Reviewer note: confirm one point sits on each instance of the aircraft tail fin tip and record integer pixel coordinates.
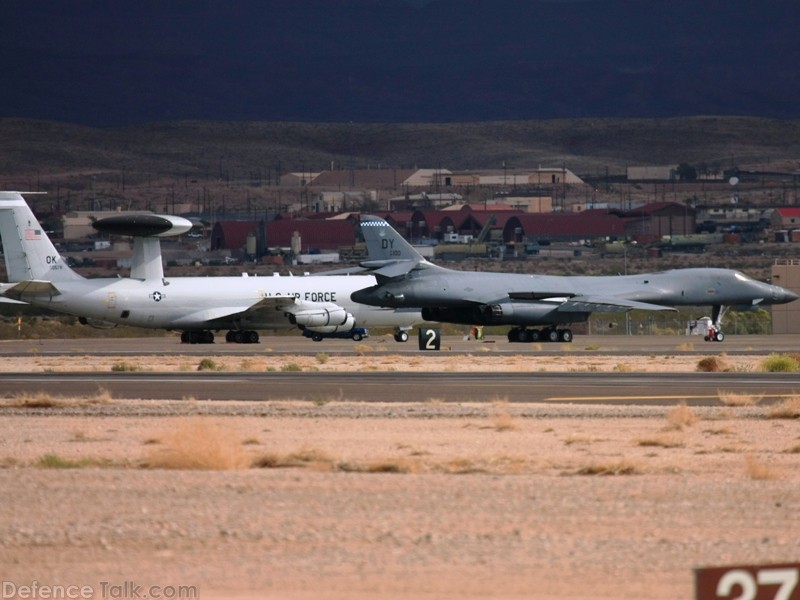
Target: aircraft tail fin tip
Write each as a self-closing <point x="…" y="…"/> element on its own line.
<point x="384" y="243"/>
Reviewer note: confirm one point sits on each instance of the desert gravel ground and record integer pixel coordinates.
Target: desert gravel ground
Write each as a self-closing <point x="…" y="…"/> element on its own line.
<point x="343" y="500"/>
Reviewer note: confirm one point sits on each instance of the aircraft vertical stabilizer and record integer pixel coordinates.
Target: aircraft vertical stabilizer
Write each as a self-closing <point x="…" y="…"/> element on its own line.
<point x="29" y="253"/>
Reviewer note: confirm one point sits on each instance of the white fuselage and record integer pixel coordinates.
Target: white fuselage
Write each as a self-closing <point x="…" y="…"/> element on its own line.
<point x="190" y="302"/>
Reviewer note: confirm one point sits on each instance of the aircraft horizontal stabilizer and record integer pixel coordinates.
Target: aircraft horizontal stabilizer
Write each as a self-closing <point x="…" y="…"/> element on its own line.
<point x="584" y="304"/>
<point x="32" y="287"/>
<point x="389" y="269"/>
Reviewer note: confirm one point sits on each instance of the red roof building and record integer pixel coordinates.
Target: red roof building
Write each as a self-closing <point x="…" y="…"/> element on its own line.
<point x="589" y="224"/>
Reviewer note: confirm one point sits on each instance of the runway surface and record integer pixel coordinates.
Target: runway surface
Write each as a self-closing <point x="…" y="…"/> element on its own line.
<point x="293" y="344"/>
<point x="699" y="389"/>
<point x="572" y="387"/>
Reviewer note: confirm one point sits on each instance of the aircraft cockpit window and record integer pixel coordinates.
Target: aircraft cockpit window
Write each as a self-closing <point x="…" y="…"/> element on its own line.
<point x="741" y="276"/>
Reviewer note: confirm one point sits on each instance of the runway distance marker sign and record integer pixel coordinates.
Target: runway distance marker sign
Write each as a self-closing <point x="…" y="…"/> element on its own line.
<point x="762" y="582"/>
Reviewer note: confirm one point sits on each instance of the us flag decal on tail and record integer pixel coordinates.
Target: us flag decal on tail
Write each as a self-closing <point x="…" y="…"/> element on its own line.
<point x="33" y="234"/>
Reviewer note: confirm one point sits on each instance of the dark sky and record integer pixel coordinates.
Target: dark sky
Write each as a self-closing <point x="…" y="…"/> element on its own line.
<point x="126" y="62"/>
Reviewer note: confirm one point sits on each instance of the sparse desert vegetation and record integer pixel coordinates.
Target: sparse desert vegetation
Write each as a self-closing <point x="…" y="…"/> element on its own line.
<point x="713" y="364"/>
<point x="418" y="479"/>
<point x="729" y="398"/>
<point x="780" y="363"/>
<point x="681" y="417"/>
<point x="788" y="408"/>
<point x="466" y="489"/>
<point x="198" y="444"/>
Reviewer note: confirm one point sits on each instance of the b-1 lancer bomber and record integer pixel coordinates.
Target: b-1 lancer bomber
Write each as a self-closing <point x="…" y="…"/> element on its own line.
<point x="540" y="307"/>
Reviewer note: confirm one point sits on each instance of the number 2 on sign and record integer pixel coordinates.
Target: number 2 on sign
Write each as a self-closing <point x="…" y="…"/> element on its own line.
<point x="430" y="344"/>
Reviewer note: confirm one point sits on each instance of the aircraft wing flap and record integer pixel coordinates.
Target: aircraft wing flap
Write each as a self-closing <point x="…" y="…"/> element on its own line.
<point x="607" y="304"/>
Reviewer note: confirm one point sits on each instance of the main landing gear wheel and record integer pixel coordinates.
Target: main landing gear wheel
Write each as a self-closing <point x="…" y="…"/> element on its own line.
<point x="197" y="337"/>
<point x="526" y="336"/>
<point x="522" y="335"/>
<point x="400" y="336"/>
<point x="241" y="337"/>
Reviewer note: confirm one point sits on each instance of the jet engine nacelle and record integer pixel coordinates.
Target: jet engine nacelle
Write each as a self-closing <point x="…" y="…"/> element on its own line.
<point x="322" y="317"/>
<point x="348" y="324"/>
<point x="506" y="313"/>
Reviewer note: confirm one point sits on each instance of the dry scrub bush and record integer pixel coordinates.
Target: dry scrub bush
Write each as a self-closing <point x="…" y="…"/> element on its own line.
<point x="738" y="399"/>
<point x="712" y="364"/>
<point x="46" y="400"/>
<point x="396" y="465"/>
<point x="305" y="457"/>
<point x="579" y="438"/>
<point x="681" y="416"/>
<point x="208" y="364"/>
<point x="787" y="409"/>
<point x="660" y="441"/>
<point x="620" y="467"/>
<point x="501" y="420"/>
<point x="758" y="471"/>
<point x="199" y="444"/>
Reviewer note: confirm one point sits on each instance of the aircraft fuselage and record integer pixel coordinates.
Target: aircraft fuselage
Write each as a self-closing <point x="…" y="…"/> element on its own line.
<point x="187" y="303"/>
<point x="469" y="297"/>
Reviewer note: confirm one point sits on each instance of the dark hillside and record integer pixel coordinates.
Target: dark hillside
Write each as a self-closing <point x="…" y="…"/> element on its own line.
<point x="247" y="150"/>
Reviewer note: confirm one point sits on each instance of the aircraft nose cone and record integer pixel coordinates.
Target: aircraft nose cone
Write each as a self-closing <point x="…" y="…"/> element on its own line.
<point x="789" y="296"/>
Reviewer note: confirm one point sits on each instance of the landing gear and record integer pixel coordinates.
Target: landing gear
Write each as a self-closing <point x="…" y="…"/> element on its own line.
<point x="401" y="336"/>
<point x="715" y="331"/>
<point x="241" y="337"/>
<point x="197" y="337"/>
<point x="525" y="336"/>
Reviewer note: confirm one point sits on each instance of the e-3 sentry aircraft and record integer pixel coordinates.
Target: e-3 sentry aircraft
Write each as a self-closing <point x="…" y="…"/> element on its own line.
<point x="406" y="279"/>
<point x="196" y="306"/>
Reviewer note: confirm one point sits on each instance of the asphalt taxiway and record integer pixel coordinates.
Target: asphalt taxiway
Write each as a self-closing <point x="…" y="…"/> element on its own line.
<point x="474" y="386"/>
<point x="646" y="389"/>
